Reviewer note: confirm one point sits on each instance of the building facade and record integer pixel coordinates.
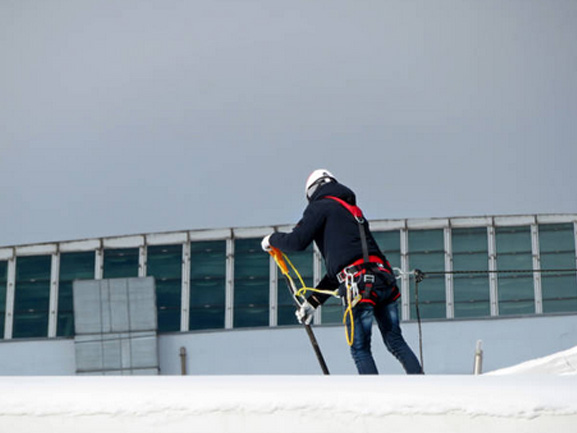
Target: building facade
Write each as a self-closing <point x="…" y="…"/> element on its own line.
<point x="217" y="280"/>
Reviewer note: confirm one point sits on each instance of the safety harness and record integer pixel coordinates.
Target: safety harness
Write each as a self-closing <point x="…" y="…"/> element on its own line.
<point x="364" y="267"/>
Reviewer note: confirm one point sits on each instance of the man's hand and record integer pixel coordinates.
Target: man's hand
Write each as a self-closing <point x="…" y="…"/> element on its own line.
<point x="265" y="243"/>
<point x="305" y="313"/>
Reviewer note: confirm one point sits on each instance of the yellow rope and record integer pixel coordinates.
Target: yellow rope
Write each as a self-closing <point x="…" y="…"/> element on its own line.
<point x="350" y="336"/>
<point x="280" y="257"/>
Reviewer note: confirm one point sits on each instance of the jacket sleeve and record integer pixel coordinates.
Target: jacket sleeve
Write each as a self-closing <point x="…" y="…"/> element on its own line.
<point x="303" y="234"/>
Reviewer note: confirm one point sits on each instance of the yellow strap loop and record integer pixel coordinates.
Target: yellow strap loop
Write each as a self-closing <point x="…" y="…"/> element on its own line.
<point x="280" y="257"/>
<point x="350" y="335"/>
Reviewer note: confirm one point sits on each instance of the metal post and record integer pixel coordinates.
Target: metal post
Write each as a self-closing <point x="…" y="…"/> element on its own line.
<point x="182" y="355"/>
<point x="493" y="282"/>
<point x="229" y="297"/>
<point x="185" y="287"/>
<point x="478" y="365"/>
<point x="10" y="296"/>
<point x="536" y="252"/>
<point x="54" y="290"/>
<point x="449" y="289"/>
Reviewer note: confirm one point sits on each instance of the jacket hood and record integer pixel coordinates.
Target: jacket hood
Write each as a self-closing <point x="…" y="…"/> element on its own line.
<point x="335" y="189"/>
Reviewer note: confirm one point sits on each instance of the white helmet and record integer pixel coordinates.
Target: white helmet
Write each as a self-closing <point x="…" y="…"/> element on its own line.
<point x="316" y="179"/>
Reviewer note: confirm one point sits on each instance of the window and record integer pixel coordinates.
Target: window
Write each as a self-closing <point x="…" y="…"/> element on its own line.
<point x="516" y="289"/>
<point x="32" y="296"/>
<point x="251" y="284"/>
<point x="427" y="253"/>
<point x="390" y="245"/>
<point x="164" y="263"/>
<point x="303" y="262"/>
<point x="332" y="310"/>
<point x="3" y="284"/>
<point x="121" y="263"/>
<point x="207" y="284"/>
<point x="73" y="266"/>
<point x="471" y="291"/>
<point x="557" y="245"/>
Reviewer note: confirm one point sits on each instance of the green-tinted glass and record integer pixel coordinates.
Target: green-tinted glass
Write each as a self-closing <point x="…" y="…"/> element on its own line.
<point x="207" y="284"/>
<point x="169" y="319"/>
<point x="73" y="266"/>
<point x="514" y="253"/>
<point x="513" y="240"/>
<point x="121" y="263"/>
<point x="470" y="240"/>
<point x="251" y="284"/>
<point x="390" y="245"/>
<point x="557" y="261"/>
<point x="164" y="263"/>
<point x="557" y="245"/>
<point x="427" y="253"/>
<point x="471" y="296"/>
<point x="303" y="262"/>
<point x="331" y="310"/>
<point x="207" y="259"/>
<point x="516" y="294"/>
<point x="559" y="292"/>
<point x="3" y="284"/>
<point x="32" y="296"/>
<point x="556" y="238"/>
<point x="470" y="253"/>
<point x="206" y="318"/>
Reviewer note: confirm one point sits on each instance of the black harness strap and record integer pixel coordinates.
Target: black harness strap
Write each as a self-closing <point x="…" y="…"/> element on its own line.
<point x="358" y="214"/>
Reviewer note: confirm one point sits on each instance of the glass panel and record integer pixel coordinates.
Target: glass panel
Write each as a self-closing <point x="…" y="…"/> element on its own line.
<point x="121" y="263"/>
<point x="557" y="245"/>
<point x="516" y="289"/>
<point x="207" y="284"/>
<point x="303" y="262"/>
<point x="3" y="285"/>
<point x="207" y="318"/>
<point x="516" y="294"/>
<point x="32" y="296"/>
<point x="251" y="284"/>
<point x="555" y="238"/>
<point x="470" y="253"/>
<point x="331" y="310"/>
<point x="390" y="245"/>
<point x="73" y="266"/>
<point x="164" y="263"/>
<point x="427" y="253"/>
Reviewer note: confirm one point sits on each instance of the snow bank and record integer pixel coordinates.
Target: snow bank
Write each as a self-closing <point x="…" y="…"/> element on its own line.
<point x="561" y="363"/>
<point x="255" y="404"/>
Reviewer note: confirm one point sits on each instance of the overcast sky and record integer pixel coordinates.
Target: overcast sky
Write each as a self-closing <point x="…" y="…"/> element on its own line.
<point x="135" y="116"/>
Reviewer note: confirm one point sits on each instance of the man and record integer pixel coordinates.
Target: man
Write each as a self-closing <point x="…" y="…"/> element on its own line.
<point x="354" y="263"/>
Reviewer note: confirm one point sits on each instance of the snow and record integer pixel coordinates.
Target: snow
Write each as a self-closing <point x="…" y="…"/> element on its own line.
<point x="499" y="402"/>
<point x="561" y="363"/>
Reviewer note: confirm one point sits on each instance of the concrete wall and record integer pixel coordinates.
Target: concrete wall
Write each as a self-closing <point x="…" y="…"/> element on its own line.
<point x="448" y="347"/>
<point x="37" y="357"/>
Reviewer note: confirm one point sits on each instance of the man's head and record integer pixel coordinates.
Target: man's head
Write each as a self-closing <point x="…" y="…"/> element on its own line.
<point x="316" y="179"/>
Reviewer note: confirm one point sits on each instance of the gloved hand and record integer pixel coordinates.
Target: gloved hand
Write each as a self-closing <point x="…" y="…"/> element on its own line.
<point x="265" y="243"/>
<point x="305" y="313"/>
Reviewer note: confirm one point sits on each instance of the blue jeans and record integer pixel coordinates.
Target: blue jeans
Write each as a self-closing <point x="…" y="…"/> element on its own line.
<point x="387" y="317"/>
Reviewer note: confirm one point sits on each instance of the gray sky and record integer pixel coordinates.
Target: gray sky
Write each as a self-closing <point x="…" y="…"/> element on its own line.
<point x="133" y="116"/>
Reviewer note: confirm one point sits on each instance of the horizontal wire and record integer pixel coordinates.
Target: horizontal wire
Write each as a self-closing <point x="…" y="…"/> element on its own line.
<point x="508" y="271"/>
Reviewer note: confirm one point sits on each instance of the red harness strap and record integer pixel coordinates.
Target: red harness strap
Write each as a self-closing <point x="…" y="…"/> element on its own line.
<point x="355" y="210"/>
<point x="358" y="214"/>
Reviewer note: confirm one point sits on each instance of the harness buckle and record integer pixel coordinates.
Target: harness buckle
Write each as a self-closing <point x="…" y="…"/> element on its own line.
<point x="369" y="278"/>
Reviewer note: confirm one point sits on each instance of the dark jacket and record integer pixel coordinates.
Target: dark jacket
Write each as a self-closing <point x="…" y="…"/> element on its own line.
<point x="334" y="230"/>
